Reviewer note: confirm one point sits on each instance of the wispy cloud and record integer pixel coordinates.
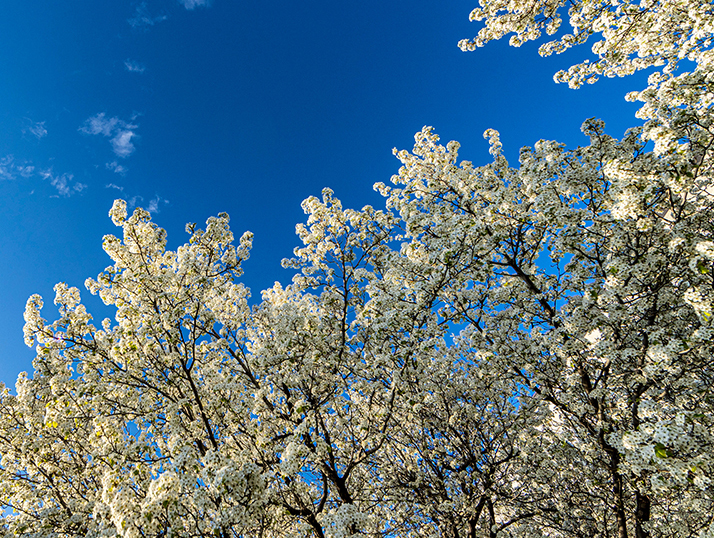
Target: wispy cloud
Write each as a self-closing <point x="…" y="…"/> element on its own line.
<point x="122" y="144"/>
<point x="35" y="128"/>
<point x="192" y="4"/>
<point x="116" y="168"/>
<point x="121" y="133"/>
<point x="25" y="170"/>
<point x="100" y="124"/>
<point x="113" y="186"/>
<point x="143" y="19"/>
<point x="9" y="169"/>
<point x="154" y="205"/>
<point x="134" y="67"/>
<point x="64" y="183"/>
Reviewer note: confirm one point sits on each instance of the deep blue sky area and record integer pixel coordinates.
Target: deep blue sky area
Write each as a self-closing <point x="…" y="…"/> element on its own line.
<point x="189" y="108"/>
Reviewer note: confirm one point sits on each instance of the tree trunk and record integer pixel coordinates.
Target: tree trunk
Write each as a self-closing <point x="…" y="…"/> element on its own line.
<point x="617" y="492"/>
<point x="642" y="515"/>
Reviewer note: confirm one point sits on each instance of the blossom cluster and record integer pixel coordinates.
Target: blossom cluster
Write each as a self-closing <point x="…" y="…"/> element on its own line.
<point x="500" y="351"/>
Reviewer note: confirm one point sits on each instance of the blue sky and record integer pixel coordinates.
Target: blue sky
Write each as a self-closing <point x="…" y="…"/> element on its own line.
<point x="193" y="107"/>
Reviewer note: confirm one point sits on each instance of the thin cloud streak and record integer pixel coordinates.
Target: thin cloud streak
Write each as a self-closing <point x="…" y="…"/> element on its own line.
<point x="35" y="128"/>
<point x="192" y="4"/>
<point x="142" y="19"/>
<point x="64" y="183"/>
<point x="134" y="67"/>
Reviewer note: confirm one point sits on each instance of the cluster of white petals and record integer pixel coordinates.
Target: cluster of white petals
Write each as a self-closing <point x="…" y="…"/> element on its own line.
<point x="675" y="38"/>
<point x="501" y="351"/>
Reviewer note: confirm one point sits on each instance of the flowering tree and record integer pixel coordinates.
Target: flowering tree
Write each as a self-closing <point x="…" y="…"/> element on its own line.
<point x="584" y="275"/>
<point x="634" y="36"/>
<point x="500" y="351"/>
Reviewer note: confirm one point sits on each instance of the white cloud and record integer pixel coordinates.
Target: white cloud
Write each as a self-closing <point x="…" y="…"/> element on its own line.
<point x="134" y="67"/>
<point x="113" y="186"/>
<point x="191" y="4"/>
<point x="9" y="169"/>
<point x="64" y="183"/>
<point x="116" y="168"/>
<point x="61" y="184"/>
<point x="121" y="143"/>
<point x="79" y="187"/>
<point x="121" y="132"/>
<point x="134" y="201"/>
<point x="25" y="170"/>
<point x="154" y="204"/>
<point x="99" y="124"/>
<point x="142" y="18"/>
<point x="35" y="128"/>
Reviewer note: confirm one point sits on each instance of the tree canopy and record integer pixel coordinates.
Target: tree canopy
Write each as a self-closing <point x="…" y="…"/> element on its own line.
<point x="500" y="351"/>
